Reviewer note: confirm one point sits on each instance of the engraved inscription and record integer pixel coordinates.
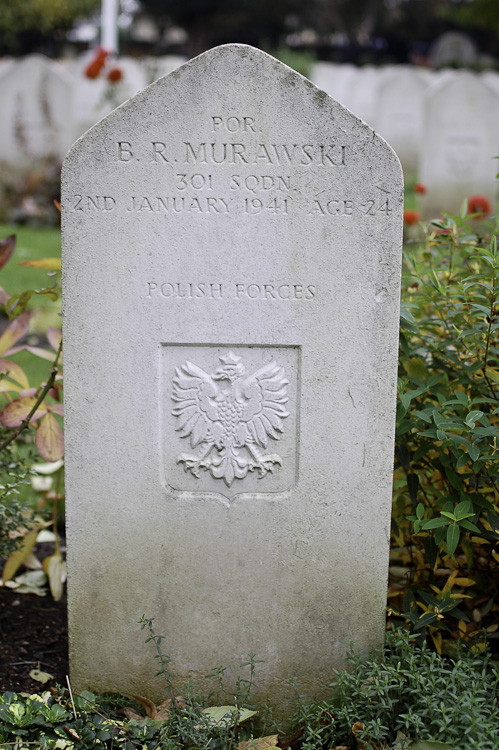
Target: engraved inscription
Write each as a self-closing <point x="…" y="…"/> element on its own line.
<point x="209" y="290"/>
<point x="229" y="418"/>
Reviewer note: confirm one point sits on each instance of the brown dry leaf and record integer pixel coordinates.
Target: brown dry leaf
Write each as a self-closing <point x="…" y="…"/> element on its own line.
<point x="340" y="747"/>
<point x="15" y="560"/>
<point x="131" y="714"/>
<point x="149" y="706"/>
<point x="292" y="741"/>
<point x="160" y="712"/>
<point x="55" y="569"/>
<point x="259" y="743"/>
<point x="356" y="729"/>
<point x="39" y="676"/>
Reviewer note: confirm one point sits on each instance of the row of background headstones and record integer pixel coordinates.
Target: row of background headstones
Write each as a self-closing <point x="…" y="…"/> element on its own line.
<point x="442" y="124"/>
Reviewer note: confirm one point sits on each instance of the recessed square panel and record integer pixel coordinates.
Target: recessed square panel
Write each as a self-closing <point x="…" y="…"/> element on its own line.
<point x="229" y="418"/>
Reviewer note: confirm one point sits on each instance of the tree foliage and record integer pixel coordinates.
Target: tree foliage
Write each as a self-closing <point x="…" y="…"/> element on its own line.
<point x="24" y="21"/>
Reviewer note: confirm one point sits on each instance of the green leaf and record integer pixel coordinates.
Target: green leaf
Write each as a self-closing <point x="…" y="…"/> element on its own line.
<point x="430" y="745"/>
<point x="474" y="452"/>
<point x="425" y="620"/>
<point x="453" y="536"/>
<point x="435" y="523"/>
<point x="470" y="526"/>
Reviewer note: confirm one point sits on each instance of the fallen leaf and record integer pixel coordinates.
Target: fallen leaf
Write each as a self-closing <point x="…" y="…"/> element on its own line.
<point x="16" y="558"/>
<point x="357" y="728"/>
<point x="229" y="715"/>
<point x="55" y="568"/>
<point x="72" y="733"/>
<point x="39" y="676"/>
<point x="149" y="706"/>
<point x="31" y="582"/>
<point x="259" y="743"/>
<point x="49" y="468"/>
<point x="31" y="561"/>
<point x="292" y="741"/>
<point x="131" y="714"/>
<point x="159" y="713"/>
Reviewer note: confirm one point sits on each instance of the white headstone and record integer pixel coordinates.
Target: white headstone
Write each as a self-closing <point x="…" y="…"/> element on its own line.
<point x="363" y="98"/>
<point x="452" y="48"/>
<point x="398" y="115"/>
<point x="231" y="262"/>
<point x="336" y="80"/>
<point x="459" y="142"/>
<point x="95" y="98"/>
<point x="157" y="67"/>
<point x="36" y="96"/>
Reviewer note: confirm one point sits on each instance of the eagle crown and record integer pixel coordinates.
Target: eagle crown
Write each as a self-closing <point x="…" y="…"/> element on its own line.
<point x="232" y="369"/>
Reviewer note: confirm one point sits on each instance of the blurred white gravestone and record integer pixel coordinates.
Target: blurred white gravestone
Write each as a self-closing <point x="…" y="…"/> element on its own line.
<point x="399" y="114"/>
<point x="36" y="102"/>
<point x="231" y="261"/>
<point x="459" y="142"/>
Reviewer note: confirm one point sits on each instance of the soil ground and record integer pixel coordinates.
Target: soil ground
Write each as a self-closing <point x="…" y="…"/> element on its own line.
<point x="33" y="634"/>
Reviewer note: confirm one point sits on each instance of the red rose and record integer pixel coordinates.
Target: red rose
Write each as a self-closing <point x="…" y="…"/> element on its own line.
<point x="419" y="188"/>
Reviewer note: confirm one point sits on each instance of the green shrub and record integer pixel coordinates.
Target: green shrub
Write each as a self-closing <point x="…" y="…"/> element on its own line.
<point x="15" y="473"/>
<point x="446" y="512"/>
<point x="403" y="695"/>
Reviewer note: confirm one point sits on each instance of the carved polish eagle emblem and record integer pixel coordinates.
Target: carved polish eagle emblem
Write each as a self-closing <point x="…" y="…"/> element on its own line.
<point x="229" y="418"/>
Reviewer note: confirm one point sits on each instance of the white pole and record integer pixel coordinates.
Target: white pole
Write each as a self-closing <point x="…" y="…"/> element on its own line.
<point x="109" y="26"/>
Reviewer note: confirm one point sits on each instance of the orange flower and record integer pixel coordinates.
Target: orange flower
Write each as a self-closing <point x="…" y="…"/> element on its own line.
<point x="93" y="69"/>
<point x="96" y="64"/>
<point x="479" y="204"/>
<point x="115" y="75"/>
<point x="411" y="217"/>
<point x="419" y="188"/>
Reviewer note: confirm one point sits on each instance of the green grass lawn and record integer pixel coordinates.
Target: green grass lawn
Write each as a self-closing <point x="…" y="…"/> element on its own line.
<point x="33" y="243"/>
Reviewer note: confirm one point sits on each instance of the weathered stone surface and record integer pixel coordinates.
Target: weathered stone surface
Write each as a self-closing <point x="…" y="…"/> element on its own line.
<point x="231" y="261"/>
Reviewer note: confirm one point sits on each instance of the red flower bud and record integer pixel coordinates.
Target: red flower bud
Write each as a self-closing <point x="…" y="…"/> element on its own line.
<point x="115" y="75"/>
<point x="479" y="204"/>
<point x="411" y="217"/>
